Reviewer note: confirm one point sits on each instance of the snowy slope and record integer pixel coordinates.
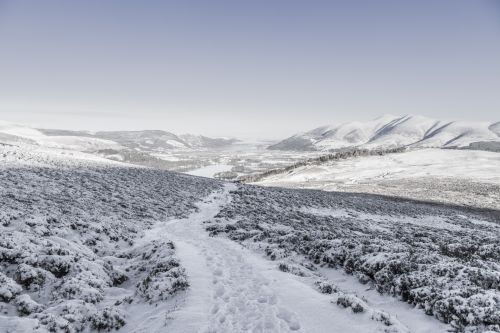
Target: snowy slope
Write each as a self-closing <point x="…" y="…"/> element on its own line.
<point x="403" y="131"/>
<point x="353" y="133"/>
<point x="30" y="155"/>
<point x="390" y="131"/>
<point x="146" y="141"/>
<point x="149" y="140"/>
<point x="73" y="252"/>
<point x="459" y="164"/>
<point x="458" y="134"/>
<point x="495" y="128"/>
<point x="21" y="133"/>
<point x="454" y="176"/>
<point x="200" y="141"/>
<point x="358" y="249"/>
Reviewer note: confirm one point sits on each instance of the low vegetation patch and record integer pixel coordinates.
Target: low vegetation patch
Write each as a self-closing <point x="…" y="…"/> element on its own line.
<point x="443" y="260"/>
<point x="69" y="236"/>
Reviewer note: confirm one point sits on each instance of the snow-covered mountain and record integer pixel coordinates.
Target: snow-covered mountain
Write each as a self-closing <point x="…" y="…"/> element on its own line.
<point x="146" y="141"/>
<point x="391" y="131"/>
<point x="14" y="133"/>
<point x="200" y="141"/>
<point x="149" y="140"/>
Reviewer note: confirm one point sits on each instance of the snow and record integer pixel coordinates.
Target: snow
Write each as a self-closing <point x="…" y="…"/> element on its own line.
<point x="19" y="130"/>
<point x="425" y="220"/>
<point x="403" y="131"/>
<point x="61" y="142"/>
<point x="434" y="257"/>
<point x="391" y="131"/>
<point x="476" y="165"/>
<point x="87" y="244"/>
<point x="236" y="290"/>
<point x="425" y="174"/>
<point x="339" y="213"/>
<point x="70" y="241"/>
<point x="459" y="134"/>
<point x="210" y="170"/>
<point x="495" y="128"/>
<point x="32" y="155"/>
<point x="415" y="320"/>
<point x="175" y="144"/>
<point x="167" y="157"/>
<point x="353" y="133"/>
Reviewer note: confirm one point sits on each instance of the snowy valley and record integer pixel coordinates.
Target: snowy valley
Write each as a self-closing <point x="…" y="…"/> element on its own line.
<point x="249" y="166"/>
<point x="91" y="242"/>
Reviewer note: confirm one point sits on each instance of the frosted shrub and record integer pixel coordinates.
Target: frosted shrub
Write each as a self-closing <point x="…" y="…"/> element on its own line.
<point x="448" y="267"/>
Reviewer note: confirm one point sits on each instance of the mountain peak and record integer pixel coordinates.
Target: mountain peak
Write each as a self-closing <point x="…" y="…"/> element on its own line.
<point x="393" y="131"/>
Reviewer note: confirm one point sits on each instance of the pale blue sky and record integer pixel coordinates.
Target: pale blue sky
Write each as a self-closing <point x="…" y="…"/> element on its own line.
<point x="246" y="68"/>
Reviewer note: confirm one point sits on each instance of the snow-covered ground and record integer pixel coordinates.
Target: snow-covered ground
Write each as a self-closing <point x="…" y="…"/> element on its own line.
<point x="236" y="290"/>
<point x="73" y="253"/>
<point x="453" y="176"/>
<point x="210" y="170"/>
<point x="30" y="155"/>
<point x="440" y="260"/>
<point x="91" y="245"/>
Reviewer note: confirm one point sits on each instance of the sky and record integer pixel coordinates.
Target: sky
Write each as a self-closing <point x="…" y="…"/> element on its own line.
<point x="260" y="68"/>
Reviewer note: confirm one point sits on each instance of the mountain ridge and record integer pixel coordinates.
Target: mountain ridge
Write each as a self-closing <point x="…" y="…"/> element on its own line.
<point x="145" y="140"/>
<point x="393" y="131"/>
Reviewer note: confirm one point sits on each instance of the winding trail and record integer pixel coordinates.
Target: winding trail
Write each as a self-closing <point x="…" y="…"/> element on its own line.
<point x="235" y="290"/>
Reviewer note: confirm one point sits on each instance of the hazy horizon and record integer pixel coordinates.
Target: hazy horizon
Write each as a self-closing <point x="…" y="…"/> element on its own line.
<point x="257" y="69"/>
<point x="242" y="136"/>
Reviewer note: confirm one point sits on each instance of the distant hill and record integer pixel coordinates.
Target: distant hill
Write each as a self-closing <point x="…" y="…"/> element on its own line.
<point x="146" y="141"/>
<point x="80" y="141"/>
<point x="394" y="131"/>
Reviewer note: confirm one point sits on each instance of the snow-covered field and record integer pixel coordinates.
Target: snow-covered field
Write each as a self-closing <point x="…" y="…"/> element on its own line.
<point x="210" y="170"/>
<point x="87" y="245"/>
<point x="453" y="176"/>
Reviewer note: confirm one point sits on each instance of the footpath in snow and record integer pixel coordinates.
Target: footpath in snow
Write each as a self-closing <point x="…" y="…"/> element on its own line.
<point x="233" y="289"/>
